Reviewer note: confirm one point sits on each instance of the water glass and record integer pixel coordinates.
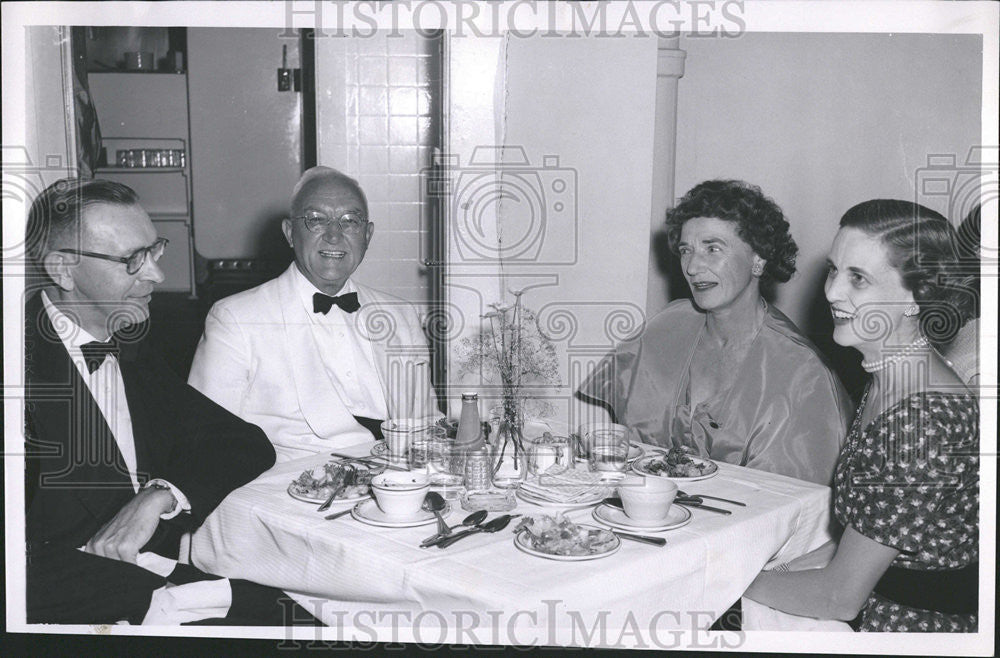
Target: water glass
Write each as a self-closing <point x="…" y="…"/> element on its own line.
<point x="400" y="433"/>
<point x="607" y="448"/>
<point x="444" y="464"/>
<point x="549" y="455"/>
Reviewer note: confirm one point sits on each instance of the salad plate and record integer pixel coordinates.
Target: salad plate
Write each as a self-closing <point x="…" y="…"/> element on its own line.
<point x="676" y="465"/>
<point x="315" y="485"/>
<point x="562" y="540"/>
<point x="316" y="500"/>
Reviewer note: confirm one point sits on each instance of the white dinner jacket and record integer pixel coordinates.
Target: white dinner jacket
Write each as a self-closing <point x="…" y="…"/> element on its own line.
<point x="259" y="358"/>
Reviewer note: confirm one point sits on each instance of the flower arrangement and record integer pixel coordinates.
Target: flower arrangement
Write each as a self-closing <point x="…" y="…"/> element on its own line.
<point x="510" y="350"/>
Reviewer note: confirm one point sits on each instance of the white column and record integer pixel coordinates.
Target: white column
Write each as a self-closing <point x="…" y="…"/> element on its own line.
<point x="669" y="69"/>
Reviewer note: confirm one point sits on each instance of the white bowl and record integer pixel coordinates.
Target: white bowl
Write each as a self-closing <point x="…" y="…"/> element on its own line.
<point x="399" y="495"/>
<point x="647" y="498"/>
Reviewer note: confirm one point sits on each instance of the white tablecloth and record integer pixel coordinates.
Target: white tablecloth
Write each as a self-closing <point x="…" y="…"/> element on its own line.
<point x="365" y="580"/>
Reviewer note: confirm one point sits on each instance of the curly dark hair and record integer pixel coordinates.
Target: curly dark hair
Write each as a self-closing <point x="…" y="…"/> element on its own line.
<point x="759" y="222"/>
<point x="921" y="245"/>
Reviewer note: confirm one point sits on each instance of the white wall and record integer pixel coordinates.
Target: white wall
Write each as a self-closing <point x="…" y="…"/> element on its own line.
<point x="583" y="111"/>
<point x="373" y="122"/>
<point x="824" y="121"/>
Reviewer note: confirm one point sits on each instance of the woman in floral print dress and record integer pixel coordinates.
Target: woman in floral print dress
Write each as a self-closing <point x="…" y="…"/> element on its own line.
<point x="906" y="489"/>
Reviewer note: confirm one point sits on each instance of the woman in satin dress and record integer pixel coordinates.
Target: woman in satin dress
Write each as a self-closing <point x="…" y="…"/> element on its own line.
<point x="726" y="374"/>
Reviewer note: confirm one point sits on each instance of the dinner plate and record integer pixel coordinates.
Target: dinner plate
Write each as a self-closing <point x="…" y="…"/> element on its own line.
<point x="522" y="544"/>
<point x="641" y="467"/>
<point x="534" y="499"/>
<point x="616" y="518"/>
<point x="368" y="511"/>
<point x="322" y="499"/>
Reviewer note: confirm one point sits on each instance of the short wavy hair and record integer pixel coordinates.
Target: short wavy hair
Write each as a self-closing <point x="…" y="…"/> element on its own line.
<point x="759" y="222"/>
<point x="921" y="245"/>
<point x="56" y="212"/>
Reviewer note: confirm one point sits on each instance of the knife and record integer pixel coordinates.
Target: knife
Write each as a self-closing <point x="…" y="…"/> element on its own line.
<point x="617" y="502"/>
<point x="655" y="541"/>
<point x="369" y="462"/>
<point x="337" y="515"/>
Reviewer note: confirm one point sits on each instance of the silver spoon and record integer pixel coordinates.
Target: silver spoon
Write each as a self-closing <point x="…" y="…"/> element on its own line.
<point x="435" y="503"/>
<point x="473" y="519"/>
<point x="496" y="525"/>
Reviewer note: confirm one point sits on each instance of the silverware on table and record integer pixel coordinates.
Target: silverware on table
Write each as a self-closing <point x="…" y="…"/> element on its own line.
<point x="722" y="500"/>
<point x="496" y="525"/>
<point x="696" y="503"/>
<point x="473" y="519"/>
<point x="369" y="462"/>
<point x="691" y="501"/>
<point x="337" y="515"/>
<point x="350" y="474"/>
<point x="644" y="539"/>
<point x="435" y="503"/>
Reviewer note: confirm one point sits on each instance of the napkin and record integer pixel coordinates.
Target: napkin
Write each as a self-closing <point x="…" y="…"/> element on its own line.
<point x="567" y="487"/>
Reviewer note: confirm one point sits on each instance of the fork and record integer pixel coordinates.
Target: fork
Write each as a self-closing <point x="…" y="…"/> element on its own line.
<point x="350" y="477"/>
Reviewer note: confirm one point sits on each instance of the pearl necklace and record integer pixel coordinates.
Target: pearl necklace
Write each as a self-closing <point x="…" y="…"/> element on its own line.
<point x="885" y="362"/>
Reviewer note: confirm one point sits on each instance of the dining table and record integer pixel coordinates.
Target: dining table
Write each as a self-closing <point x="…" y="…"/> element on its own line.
<point x="376" y="583"/>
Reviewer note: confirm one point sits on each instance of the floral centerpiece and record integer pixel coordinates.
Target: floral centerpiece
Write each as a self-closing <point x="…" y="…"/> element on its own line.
<point x="510" y="350"/>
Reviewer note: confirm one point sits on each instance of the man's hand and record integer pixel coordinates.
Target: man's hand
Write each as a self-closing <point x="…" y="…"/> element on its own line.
<point x="130" y="529"/>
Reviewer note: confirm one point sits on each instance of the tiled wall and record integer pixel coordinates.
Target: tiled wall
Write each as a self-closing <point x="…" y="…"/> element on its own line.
<point x="374" y="121"/>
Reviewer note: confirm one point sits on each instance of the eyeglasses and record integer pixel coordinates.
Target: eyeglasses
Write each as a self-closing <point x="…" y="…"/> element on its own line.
<point x="350" y="223"/>
<point x="134" y="261"/>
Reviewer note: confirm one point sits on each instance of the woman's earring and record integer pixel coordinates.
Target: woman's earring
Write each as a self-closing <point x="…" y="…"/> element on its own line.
<point x="758" y="267"/>
<point x="911" y="311"/>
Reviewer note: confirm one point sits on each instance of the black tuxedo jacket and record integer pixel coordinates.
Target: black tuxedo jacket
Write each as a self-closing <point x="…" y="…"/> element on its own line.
<point x="76" y="479"/>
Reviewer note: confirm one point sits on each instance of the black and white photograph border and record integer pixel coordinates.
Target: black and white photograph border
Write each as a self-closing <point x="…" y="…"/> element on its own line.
<point x="580" y="275"/>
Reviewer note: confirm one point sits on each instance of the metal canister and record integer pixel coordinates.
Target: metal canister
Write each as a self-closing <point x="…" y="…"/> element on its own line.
<point x="477" y="470"/>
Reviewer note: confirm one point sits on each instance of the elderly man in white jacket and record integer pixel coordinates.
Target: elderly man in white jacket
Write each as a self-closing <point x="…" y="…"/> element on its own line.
<point x="314" y="358"/>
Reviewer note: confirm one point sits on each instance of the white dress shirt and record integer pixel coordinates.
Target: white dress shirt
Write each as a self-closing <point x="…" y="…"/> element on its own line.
<point x="169" y="604"/>
<point x="347" y="357"/>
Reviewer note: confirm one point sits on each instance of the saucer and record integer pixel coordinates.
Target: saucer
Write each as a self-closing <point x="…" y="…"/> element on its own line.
<point x="616" y="518"/>
<point x="368" y="511"/>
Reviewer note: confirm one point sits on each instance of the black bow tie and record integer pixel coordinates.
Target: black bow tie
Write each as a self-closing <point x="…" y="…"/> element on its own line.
<point x="323" y="303"/>
<point x="95" y="352"/>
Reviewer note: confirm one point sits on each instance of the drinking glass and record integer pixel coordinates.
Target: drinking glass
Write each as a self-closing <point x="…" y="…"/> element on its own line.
<point x="444" y="464"/>
<point x="607" y="448"/>
<point x="549" y="455"/>
<point x="400" y="433"/>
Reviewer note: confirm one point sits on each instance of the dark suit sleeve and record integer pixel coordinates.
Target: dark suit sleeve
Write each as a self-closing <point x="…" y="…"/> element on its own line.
<point x="206" y="451"/>
<point x="63" y="586"/>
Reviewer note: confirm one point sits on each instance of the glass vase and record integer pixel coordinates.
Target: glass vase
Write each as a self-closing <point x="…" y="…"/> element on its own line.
<point x="510" y="461"/>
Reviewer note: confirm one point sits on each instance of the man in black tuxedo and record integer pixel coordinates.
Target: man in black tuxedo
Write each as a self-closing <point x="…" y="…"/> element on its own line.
<point x="122" y="457"/>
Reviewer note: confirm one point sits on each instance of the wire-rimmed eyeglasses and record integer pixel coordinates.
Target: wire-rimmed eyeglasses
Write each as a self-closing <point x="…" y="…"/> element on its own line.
<point x="134" y="261"/>
<point x="351" y="223"/>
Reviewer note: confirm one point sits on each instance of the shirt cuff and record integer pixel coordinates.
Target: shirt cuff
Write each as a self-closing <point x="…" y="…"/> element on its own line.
<point x="181" y="505"/>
